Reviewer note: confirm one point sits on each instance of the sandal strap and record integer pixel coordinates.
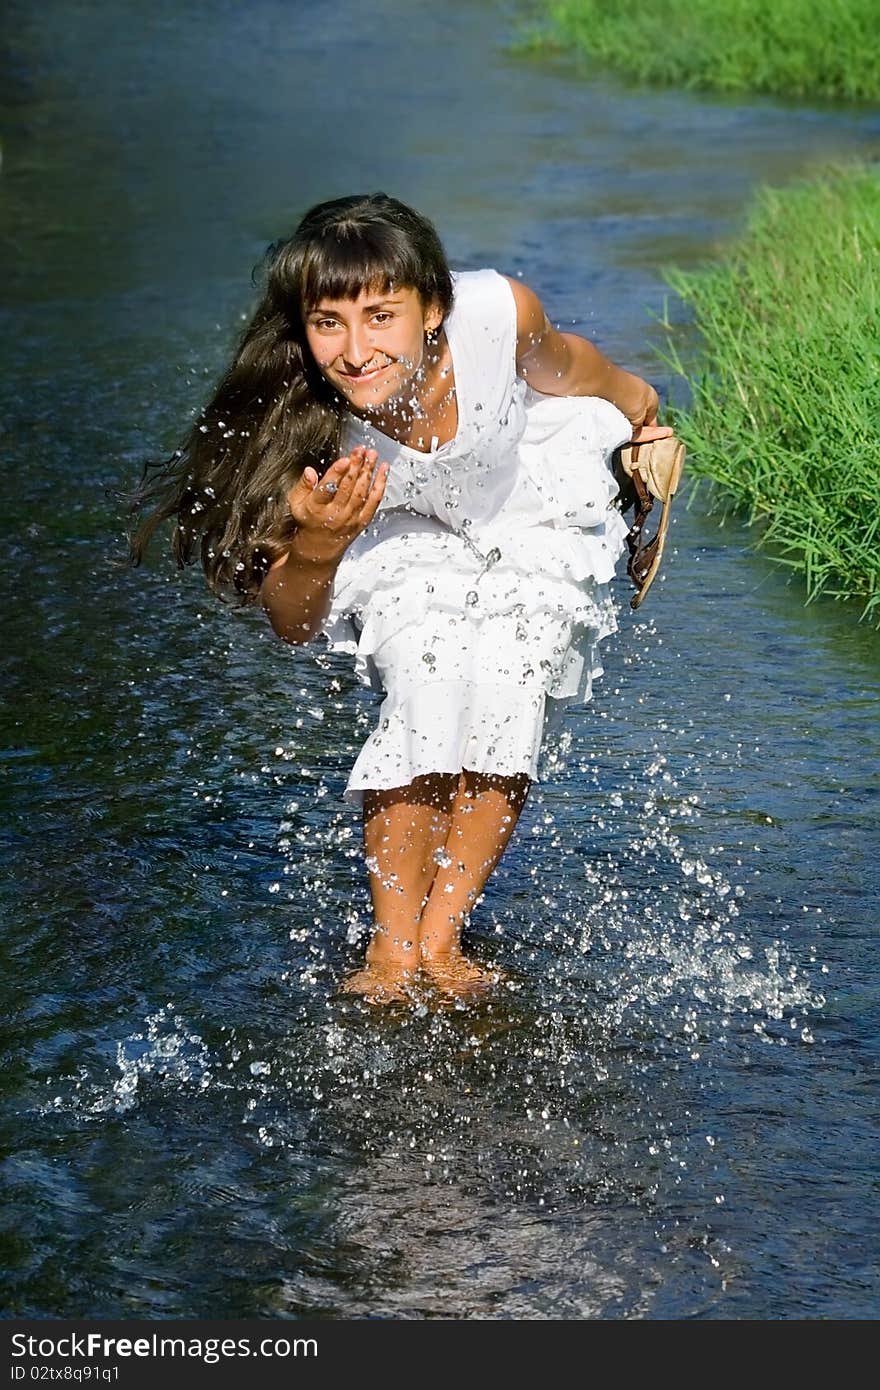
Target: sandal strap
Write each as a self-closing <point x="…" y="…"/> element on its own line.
<point x="637" y="551"/>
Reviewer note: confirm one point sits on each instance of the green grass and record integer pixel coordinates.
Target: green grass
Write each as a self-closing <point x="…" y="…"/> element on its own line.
<point x="800" y="48"/>
<point x="785" y="385"/>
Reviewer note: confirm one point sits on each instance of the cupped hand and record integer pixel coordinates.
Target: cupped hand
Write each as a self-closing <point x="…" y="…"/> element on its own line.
<point x="331" y="511"/>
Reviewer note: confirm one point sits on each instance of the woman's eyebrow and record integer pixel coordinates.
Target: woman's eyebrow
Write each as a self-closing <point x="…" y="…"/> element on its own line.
<point x="367" y="309"/>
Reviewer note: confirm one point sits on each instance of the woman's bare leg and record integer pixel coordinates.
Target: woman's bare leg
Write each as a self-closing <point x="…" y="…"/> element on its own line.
<point x="404" y="829"/>
<point x="484" y="814"/>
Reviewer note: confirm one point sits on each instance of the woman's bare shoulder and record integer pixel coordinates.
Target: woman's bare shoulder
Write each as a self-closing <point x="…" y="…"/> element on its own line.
<point x="532" y="323"/>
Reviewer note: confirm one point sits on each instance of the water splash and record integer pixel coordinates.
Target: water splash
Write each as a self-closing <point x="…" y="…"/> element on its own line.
<point x="166" y="1053"/>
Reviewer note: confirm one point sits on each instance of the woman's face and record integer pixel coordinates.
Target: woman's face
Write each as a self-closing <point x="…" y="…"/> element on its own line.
<point x="370" y="348"/>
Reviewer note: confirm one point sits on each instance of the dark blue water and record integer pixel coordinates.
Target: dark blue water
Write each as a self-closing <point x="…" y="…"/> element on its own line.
<point x="671" y="1111"/>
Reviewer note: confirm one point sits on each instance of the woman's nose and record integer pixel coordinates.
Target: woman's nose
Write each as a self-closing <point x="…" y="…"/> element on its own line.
<point x="358" y="349"/>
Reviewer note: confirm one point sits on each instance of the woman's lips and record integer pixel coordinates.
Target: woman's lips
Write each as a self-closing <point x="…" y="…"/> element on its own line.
<point x="366" y="376"/>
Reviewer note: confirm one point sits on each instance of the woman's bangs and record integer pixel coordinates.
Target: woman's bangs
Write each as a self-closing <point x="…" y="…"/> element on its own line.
<point x="350" y="268"/>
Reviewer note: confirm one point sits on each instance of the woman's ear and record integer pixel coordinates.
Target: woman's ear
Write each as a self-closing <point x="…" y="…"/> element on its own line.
<point x="433" y="318"/>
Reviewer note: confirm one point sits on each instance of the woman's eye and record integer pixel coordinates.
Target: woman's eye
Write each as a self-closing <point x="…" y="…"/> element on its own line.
<point x="381" y="318"/>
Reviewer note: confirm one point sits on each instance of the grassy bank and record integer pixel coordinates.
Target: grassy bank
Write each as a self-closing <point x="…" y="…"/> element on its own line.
<point x="785" y="413"/>
<point x="801" y="48"/>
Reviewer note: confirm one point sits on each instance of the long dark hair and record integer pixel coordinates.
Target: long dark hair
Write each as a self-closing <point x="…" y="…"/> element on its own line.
<point x="273" y="413"/>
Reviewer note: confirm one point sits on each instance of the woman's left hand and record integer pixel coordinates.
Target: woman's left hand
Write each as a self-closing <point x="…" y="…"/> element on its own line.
<point x="643" y="417"/>
<point x="644" y="433"/>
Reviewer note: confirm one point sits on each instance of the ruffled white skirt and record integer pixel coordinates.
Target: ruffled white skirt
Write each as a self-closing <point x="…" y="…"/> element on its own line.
<point x="478" y="642"/>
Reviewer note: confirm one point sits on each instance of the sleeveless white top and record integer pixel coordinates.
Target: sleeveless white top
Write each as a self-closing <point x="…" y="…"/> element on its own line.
<point x="518" y="457"/>
<point x="527" y="475"/>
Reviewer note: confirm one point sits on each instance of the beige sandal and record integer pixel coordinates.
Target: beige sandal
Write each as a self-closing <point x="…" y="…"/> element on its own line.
<point x="645" y="472"/>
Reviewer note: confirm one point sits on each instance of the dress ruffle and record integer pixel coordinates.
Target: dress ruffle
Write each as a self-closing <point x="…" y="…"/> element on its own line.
<point x="408" y="566"/>
<point x="565" y="453"/>
<point x="442" y="727"/>
<point x="468" y="692"/>
<point x="470" y="656"/>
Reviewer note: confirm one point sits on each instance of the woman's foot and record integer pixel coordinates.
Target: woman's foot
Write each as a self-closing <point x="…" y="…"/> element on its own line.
<point x="455" y="974"/>
<point x="380" y="983"/>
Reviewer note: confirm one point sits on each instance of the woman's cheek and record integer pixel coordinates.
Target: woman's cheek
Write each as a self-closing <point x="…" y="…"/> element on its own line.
<point x="318" y="351"/>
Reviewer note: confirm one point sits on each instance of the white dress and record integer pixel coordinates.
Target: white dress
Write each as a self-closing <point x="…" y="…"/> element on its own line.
<point x="476" y="598"/>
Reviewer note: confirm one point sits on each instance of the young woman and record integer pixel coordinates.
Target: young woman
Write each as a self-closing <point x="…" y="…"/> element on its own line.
<point x="414" y="463"/>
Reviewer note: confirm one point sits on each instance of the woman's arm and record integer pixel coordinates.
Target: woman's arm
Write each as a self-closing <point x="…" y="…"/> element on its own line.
<point x="296" y="595"/>
<point x="298" y="590"/>
<point x="564" y="364"/>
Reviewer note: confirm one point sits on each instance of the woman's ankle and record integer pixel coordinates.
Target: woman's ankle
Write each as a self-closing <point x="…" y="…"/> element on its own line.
<point x="440" y="945"/>
<point x="393" y="950"/>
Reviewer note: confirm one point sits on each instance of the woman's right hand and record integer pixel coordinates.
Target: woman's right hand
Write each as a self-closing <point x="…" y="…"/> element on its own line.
<point x="332" y="511"/>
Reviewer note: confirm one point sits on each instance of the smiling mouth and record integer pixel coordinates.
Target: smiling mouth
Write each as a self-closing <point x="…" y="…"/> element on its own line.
<point x="366" y="376"/>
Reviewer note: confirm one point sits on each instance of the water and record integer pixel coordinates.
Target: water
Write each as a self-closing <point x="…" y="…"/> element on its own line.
<point x="670" y="1111"/>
